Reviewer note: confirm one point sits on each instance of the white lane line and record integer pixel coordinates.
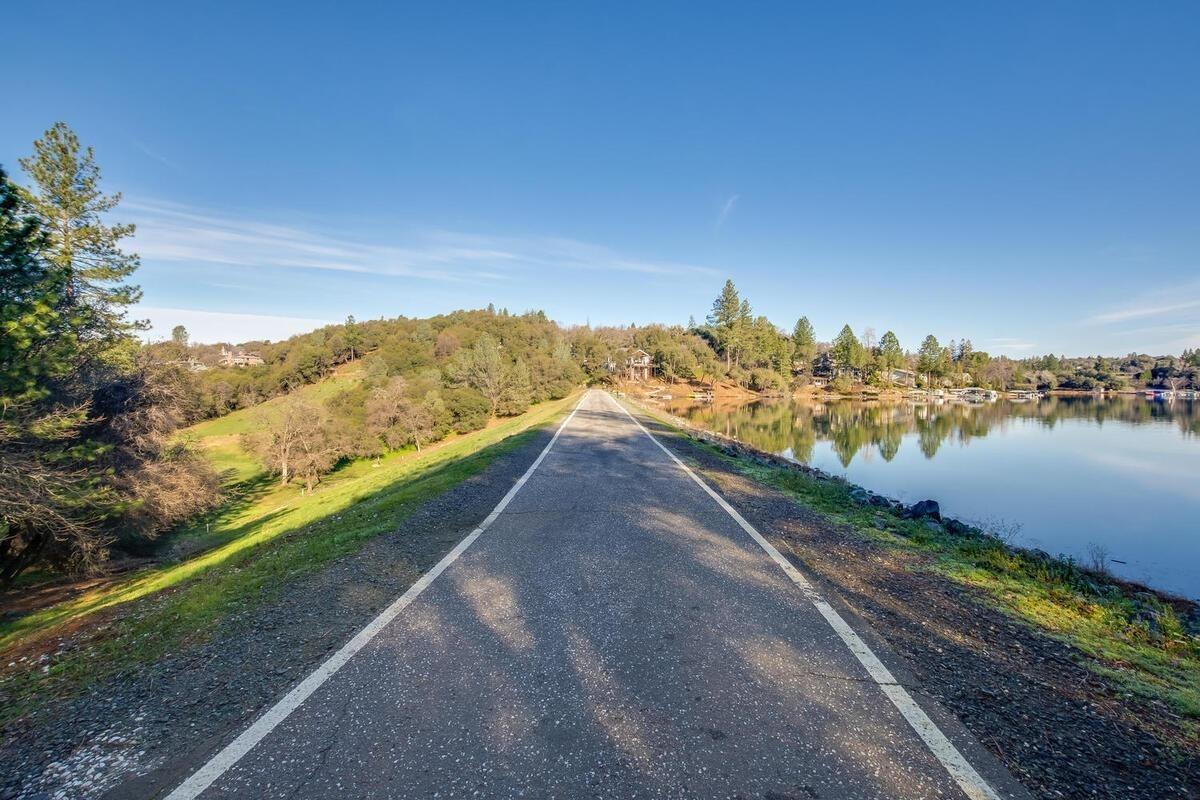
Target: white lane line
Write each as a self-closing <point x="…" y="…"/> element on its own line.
<point x="202" y="778"/>
<point x="970" y="781"/>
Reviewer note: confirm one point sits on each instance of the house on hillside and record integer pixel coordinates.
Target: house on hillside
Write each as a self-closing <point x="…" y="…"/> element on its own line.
<point x="824" y="366"/>
<point x="903" y="377"/>
<point x="240" y="358"/>
<point x="639" y="366"/>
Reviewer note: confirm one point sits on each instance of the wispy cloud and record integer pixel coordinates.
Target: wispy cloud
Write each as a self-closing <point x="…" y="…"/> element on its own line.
<point x="171" y="232"/>
<point x="726" y="210"/>
<point x="1143" y="311"/>
<point x="1162" y="320"/>
<point x="1011" y="344"/>
<point x="223" y="326"/>
<point x="156" y="156"/>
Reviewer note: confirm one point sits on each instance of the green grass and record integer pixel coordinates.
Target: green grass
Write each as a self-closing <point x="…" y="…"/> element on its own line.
<point x="265" y="536"/>
<point x="1056" y="597"/>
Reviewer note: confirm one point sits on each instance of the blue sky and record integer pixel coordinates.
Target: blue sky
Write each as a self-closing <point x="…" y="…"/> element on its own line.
<point x="1023" y="174"/>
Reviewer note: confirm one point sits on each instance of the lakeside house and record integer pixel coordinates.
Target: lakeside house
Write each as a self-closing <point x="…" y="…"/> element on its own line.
<point x="824" y="366"/>
<point x="825" y="369"/>
<point x="639" y="366"/>
<point x="240" y="358"/>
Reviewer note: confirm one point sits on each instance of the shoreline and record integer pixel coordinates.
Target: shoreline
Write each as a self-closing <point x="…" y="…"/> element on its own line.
<point x="737" y="449"/>
<point x="1077" y="681"/>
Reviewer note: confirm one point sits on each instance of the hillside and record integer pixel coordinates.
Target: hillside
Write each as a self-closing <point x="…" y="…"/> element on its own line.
<point x="262" y="536"/>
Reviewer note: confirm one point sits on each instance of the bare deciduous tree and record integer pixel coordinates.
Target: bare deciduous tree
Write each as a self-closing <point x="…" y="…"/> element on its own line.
<point x="398" y="419"/>
<point x="298" y="441"/>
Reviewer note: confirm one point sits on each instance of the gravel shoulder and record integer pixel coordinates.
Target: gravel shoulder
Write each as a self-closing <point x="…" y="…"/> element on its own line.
<point x="1028" y="698"/>
<point x="136" y="735"/>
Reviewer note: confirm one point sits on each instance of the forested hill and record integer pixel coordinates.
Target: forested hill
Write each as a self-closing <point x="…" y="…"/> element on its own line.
<point x="502" y="362"/>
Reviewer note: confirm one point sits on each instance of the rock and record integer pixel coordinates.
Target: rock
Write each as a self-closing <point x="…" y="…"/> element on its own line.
<point x="860" y="495"/>
<point x="956" y="527"/>
<point x="1150" y="618"/>
<point x="924" y="509"/>
<point x="933" y="525"/>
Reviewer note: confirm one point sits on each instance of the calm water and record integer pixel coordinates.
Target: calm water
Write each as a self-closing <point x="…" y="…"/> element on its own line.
<point x="1063" y="474"/>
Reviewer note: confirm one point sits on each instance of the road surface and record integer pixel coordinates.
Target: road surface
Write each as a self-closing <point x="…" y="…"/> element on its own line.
<point x="616" y="630"/>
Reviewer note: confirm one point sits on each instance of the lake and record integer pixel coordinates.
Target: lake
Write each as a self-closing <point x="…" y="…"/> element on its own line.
<point x="1070" y="475"/>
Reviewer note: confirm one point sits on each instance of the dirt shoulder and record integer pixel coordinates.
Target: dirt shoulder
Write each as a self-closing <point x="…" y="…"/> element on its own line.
<point x="137" y="734"/>
<point x="1030" y="699"/>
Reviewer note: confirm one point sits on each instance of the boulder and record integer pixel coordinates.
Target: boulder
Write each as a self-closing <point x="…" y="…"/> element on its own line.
<point x="926" y="509"/>
<point x="957" y="528"/>
<point x="860" y="495"/>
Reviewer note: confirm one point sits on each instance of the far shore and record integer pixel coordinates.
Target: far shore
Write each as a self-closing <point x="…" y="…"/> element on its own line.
<point x="726" y="391"/>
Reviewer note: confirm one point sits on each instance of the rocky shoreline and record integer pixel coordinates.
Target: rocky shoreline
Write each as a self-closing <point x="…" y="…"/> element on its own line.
<point x="930" y="511"/>
<point x="1055" y="708"/>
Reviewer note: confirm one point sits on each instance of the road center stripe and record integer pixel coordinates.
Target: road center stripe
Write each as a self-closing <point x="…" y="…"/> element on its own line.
<point x="243" y="744"/>
<point x="970" y="781"/>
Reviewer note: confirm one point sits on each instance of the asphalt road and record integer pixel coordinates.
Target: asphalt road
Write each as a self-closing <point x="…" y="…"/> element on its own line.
<point x="614" y="632"/>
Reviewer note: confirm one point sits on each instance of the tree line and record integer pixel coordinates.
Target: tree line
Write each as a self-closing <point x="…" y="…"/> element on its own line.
<point x="735" y="345"/>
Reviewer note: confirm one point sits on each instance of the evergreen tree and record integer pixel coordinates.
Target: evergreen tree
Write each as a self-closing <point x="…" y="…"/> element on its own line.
<point x="929" y="357"/>
<point x="353" y="337"/>
<point x="79" y="243"/>
<point x="36" y="347"/>
<point x="847" y="351"/>
<point x="725" y="319"/>
<point x="965" y="351"/>
<point x="891" y="356"/>
<point x="804" y="343"/>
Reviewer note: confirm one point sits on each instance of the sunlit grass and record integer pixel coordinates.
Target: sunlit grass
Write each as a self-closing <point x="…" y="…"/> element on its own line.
<point x="261" y="539"/>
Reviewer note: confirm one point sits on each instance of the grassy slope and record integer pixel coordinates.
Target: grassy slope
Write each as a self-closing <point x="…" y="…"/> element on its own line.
<point x="264" y="536"/>
<point x="1054" y="597"/>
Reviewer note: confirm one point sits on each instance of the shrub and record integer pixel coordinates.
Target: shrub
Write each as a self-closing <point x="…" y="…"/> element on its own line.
<point x="841" y="384"/>
<point x="469" y="410"/>
<point x="766" y="380"/>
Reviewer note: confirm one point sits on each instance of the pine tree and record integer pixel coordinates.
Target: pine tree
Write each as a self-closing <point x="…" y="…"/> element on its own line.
<point x="726" y="316"/>
<point x="891" y="356"/>
<point x="353" y="337"/>
<point x="929" y="357"/>
<point x="847" y="351"/>
<point x="36" y="346"/>
<point x="804" y="342"/>
<point x="70" y="206"/>
<point x="963" y="357"/>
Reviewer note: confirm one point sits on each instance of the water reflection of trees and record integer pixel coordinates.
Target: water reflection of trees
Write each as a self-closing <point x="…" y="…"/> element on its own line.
<point x="851" y="426"/>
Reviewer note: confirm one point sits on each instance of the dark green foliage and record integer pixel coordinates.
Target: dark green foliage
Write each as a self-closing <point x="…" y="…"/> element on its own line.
<point x="86" y="456"/>
<point x="468" y="409"/>
<point x="79" y="244"/>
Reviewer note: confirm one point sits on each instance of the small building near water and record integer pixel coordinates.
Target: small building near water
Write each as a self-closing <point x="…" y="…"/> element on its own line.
<point x="639" y="366"/>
